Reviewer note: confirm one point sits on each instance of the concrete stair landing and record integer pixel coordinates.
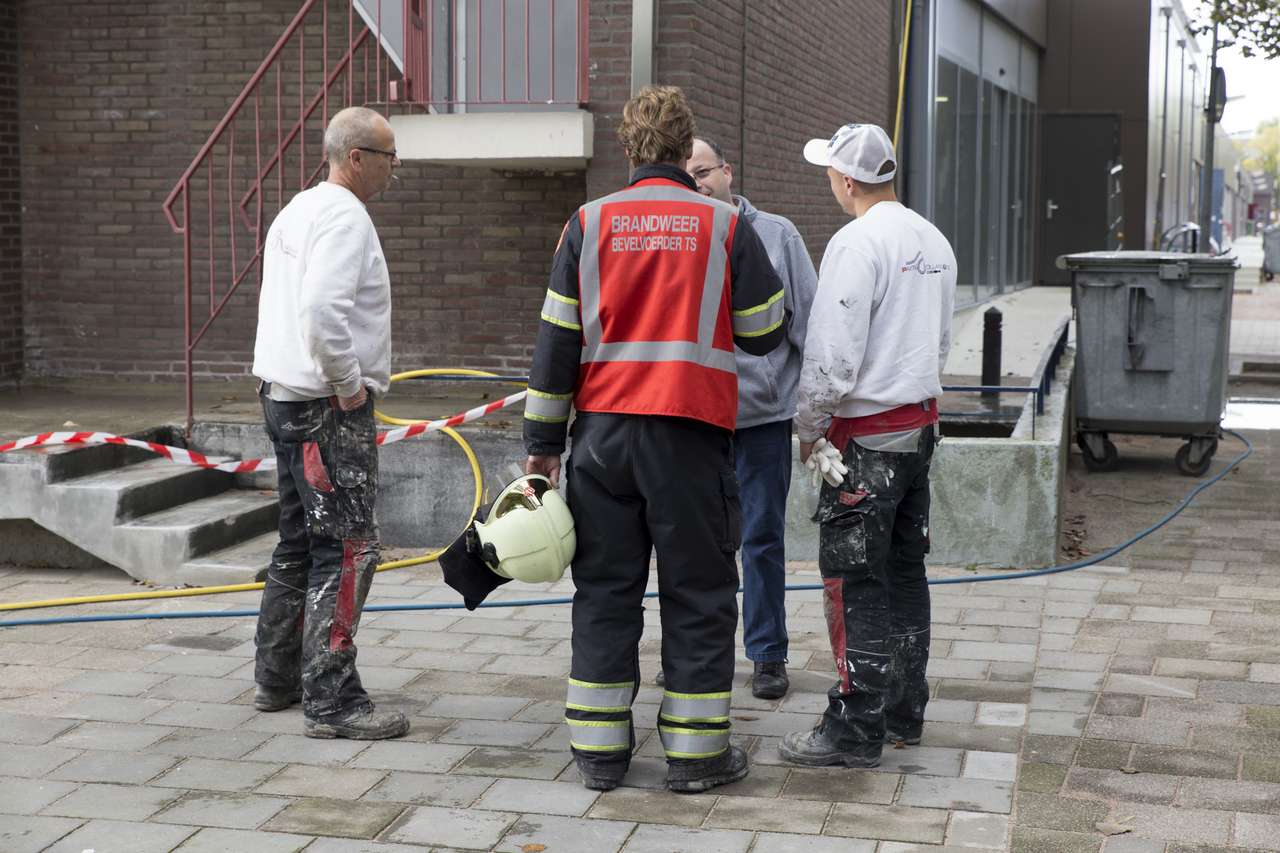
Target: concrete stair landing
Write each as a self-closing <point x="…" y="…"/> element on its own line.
<point x="158" y="521"/>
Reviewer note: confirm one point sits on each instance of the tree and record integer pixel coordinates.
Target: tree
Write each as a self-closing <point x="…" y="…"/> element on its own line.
<point x="1252" y="25"/>
<point x="1262" y="152"/>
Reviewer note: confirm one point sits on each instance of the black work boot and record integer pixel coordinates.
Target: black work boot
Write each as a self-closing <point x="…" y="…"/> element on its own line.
<point x="703" y="774"/>
<point x="769" y="681"/>
<point x="275" y="698"/>
<point x="601" y="775"/>
<point x="815" y="748"/>
<point x="364" y="723"/>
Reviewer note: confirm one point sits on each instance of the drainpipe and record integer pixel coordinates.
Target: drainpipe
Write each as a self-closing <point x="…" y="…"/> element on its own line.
<point x="1167" y="11"/>
<point x="643" y="19"/>
<point x="1182" y="139"/>
<point x="1210" y="120"/>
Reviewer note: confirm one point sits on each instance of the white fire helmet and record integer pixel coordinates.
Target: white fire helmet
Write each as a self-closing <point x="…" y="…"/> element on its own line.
<point x="530" y="531"/>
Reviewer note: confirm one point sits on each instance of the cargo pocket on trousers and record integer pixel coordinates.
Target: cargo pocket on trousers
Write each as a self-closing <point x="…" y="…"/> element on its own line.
<point x="356" y="471"/>
<point x="731" y="532"/>
<point x="842" y="531"/>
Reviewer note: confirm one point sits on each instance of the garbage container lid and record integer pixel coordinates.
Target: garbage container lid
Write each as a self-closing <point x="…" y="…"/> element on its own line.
<point x="1079" y="260"/>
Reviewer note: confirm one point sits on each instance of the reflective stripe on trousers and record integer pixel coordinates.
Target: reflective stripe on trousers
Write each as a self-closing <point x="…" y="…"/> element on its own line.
<point x="694" y="725"/>
<point x="599" y="715"/>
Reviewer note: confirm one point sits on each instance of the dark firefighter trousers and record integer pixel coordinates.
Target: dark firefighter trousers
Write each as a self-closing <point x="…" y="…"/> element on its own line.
<point x="321" y="571"/>
<point x="639" y="484"/>
<point x="872" y="542"/>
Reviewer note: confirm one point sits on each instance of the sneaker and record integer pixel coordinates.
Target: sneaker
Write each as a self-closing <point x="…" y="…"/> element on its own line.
<point x="769" y="680"/>
<point x="891" y="736"/>
<point x="694" y="777"/>
<point x="365" y="723"/>
<point x="601" y="775"/>
<point x="815" y="748"/>
<point x="275" y="698"/>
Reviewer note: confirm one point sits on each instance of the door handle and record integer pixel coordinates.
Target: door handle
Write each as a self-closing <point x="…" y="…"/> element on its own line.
<point x="1137" y="297"/>
<point x="1049" y="208"/>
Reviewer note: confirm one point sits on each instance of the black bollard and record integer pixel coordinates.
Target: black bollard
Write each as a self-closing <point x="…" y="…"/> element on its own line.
<point x="991" y="347"/>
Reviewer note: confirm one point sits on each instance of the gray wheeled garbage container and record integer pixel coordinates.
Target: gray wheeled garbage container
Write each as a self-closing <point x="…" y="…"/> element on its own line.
<point x="1271" y="252"/>
<point x="1151" y="350"/>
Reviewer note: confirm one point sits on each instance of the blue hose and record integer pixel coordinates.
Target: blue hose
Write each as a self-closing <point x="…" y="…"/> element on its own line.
<point x="534" y="602"/>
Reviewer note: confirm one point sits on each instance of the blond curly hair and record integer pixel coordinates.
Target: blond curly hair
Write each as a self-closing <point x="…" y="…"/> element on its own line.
<point x="657" y="127"/>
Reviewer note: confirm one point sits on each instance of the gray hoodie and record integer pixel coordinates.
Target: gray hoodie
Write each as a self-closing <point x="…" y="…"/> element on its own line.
<point x="767" y="384"/>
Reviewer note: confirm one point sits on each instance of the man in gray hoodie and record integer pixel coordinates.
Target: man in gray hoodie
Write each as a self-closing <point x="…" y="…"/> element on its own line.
<point x="762" y="441"/>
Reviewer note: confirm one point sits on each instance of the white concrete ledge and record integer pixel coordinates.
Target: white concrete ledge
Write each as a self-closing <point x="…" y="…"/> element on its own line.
<point x="559" y="140"/>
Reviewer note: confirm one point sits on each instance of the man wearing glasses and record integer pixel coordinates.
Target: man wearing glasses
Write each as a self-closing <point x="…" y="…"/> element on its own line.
<point x="762" y="440"/>
<point x="323" y="352"/>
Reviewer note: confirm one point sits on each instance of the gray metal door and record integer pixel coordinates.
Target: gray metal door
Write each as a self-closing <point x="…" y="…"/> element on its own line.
<point x="1078" y="153"/>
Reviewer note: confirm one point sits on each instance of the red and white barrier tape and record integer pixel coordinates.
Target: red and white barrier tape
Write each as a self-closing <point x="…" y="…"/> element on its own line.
<point x="182" y="456"/>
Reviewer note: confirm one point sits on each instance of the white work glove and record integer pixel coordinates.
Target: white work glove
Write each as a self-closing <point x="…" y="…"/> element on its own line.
<point x="826" y="464"/>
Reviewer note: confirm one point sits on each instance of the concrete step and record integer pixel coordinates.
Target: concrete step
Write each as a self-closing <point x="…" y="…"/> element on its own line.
<point x="208" y="524"/>
<point x="65" y="462"/>
<point x="247" y="561"/>
<point x="151" y="486"/>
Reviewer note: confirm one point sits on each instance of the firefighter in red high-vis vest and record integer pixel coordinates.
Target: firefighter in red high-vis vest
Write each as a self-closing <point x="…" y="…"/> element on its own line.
<point x="651" y="287"/>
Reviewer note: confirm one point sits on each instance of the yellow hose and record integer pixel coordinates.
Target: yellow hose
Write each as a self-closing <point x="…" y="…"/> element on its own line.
<point x="429" y="557"/>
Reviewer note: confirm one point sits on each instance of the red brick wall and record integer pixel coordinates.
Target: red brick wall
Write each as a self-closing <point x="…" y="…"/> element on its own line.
<point x="10" y="201"/>
<point x="765" y="84"/>
<point x="109" y="128"/>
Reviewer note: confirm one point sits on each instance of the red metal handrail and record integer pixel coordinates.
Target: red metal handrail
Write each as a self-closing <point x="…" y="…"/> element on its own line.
<point x="244" y="177"/>
<point x="298" y="87"/>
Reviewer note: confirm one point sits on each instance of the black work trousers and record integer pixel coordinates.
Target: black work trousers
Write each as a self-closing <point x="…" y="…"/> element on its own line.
<point x="321" y="571"/>
<point x="872" y="543"/>
<point x="639" y="484"/>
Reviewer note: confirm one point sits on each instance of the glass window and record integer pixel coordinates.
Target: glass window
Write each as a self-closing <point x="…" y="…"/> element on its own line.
<point x="1013" y="191"/>
<point x="969" y="113"/>
<point x="1028" y="191"/>
<point x="944" y="172"/>
<point x="985" y="211"/>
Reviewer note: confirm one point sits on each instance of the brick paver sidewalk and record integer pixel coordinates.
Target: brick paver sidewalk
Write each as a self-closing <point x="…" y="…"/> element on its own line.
<point x="1142" y="695"/>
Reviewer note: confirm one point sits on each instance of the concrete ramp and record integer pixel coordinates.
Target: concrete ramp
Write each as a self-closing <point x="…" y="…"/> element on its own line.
<point x="157" y="521"/>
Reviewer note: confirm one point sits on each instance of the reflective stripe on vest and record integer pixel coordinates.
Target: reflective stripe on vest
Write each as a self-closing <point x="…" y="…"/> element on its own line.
<point x="663" y="351"/>
<point x="546" y="407"/>
<point x="695" y="707"/>
<point x="700" y="352"/>
<point x="562" y="311"/>
<point x="762" y="319"/>
<point x="599" y="735"/>
<point x="600" y="698"/>
<point x="693" y="743"/>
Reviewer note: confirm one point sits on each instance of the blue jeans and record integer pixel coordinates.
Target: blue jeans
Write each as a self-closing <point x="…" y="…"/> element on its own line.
<point x="762" y="455"/>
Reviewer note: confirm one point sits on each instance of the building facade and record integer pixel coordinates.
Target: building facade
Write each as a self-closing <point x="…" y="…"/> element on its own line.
<point x="971" y="144"/>
<point x="96" y="285"/>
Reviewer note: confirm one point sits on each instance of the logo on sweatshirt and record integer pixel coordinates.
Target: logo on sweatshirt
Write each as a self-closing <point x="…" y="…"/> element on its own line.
<point x="918" y="265"/>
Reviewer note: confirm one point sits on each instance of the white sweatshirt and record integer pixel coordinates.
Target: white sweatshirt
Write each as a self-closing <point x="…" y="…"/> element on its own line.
<point x="880" y="325"/>
<point x="324" y="314"/>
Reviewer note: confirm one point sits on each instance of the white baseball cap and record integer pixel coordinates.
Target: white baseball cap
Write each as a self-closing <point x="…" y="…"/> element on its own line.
<point x="861" y="151"/>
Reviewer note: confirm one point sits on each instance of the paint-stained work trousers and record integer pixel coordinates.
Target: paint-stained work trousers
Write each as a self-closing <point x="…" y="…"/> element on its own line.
<point x="873" y="538"/>
<point x="639" y="484"/>
<point x="321" y="571"/>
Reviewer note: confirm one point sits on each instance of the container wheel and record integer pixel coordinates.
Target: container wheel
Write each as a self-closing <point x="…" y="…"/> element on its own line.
<point x="1108" y="461"/>
<point x="1183" y="459"/>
